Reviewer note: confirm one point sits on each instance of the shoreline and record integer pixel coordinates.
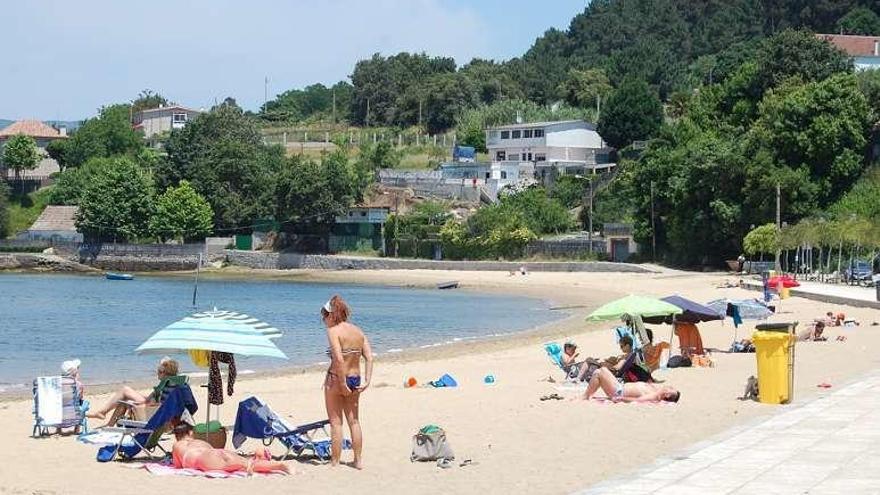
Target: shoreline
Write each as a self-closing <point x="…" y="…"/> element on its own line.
<point x="459" y="346"/>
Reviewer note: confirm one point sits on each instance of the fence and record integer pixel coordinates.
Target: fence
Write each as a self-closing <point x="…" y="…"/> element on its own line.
<point x="23" y="245"/>
<point x="571" y="248"/>
<point x="291" y="137"/>
<point x="27" y="184"/>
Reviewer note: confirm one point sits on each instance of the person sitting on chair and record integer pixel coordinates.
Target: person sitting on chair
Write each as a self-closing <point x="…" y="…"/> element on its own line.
<point x="629" y="392"/>
<point x="126" y="397"/>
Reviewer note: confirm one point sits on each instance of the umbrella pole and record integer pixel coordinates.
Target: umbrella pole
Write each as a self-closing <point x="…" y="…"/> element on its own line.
<point x="671" y="334"/>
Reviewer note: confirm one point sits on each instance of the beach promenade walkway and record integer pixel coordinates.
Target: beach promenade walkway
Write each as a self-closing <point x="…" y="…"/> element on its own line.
<point x="823" y="446"/>
<point x="865" y="297"/>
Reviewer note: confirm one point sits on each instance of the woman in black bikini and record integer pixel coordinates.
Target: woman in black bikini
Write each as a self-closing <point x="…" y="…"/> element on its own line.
<point x="343" y="385"/>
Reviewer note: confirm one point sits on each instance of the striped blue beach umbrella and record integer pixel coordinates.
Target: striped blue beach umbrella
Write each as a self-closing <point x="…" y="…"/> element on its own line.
<point x="221" y="331"/>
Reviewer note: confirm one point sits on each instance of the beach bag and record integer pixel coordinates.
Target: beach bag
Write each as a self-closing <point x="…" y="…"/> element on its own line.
<point x="429" y="444"/>
<point x="679" y="362"/>
<point x="637" y="373"/>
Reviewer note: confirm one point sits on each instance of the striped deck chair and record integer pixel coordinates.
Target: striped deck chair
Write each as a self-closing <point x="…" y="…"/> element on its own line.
<point x="58" y="404"/>
<point x="255" y="419"/>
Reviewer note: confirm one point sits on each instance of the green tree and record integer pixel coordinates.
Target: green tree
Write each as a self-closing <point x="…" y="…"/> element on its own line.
<point x="181" y="214"/>
<point x="440" y="100"/>
<point x="314" y="102"/>
<point x="632" y="113"/>
<point x="222" y="155"/>
<point x="860" y="20"/>
<point x="492" y="80"/>
<point x="375" y="156"/>
<point x="542" y="214"/>
<point x="862" y="200"/>
<point x="118" y="203"/>
<point x="584" y="88"/>
<point x="309" y="194"/>
<point x="20" y="153"/>
<point x="57" y="150"/>
<point x="384" y="83"/>
<point x="108" y="134"/>
<point x="71" y="183"/>
<point x="147" y="100"/>
<point x="761" y="240"/>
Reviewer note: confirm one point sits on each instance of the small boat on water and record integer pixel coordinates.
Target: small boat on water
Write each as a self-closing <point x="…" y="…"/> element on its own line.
<point x="448" y="285"/>
<point x="119" y="276"/>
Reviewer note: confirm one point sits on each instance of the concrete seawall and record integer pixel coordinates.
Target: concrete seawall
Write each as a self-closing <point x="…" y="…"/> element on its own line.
<point x="289" y="261"/>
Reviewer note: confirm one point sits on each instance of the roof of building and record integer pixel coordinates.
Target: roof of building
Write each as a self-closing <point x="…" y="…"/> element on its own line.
<point x="56" y="218"/>
<point x="32" y="128"/>
<point x="525" y="125"/>
<point x="170" y="107"/>
<point x="854" y="46"/>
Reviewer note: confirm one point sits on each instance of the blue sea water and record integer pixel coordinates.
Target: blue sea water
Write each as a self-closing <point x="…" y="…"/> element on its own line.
<point x="46" y="319"/>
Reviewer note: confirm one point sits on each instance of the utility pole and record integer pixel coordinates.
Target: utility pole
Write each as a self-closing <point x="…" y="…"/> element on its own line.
<point x="598" y="106"/>
<point x="420" y="112"/>
<point x="653" y="228"/>
<point x="367" y="118"/>
<point x="590" y="233"/>
<point x="778" y="220"/>
<point x="334" y="107"/>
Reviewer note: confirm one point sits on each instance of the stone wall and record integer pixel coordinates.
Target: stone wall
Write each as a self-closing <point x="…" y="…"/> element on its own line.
<point x="288" y="261"/>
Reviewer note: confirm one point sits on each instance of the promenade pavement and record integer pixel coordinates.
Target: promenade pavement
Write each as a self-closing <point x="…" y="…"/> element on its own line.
<point x="824" y="446"/>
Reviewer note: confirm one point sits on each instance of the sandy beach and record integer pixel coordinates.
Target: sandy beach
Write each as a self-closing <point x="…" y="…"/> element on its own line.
<point x="517" y="443"/>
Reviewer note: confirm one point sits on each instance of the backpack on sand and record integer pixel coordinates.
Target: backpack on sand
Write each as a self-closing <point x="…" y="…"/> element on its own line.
<point x="751" y="391"/>
<point x="429" y="444"/>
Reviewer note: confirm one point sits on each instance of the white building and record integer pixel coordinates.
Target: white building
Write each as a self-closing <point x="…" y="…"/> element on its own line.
<point x="157" y="120"/>
<point x="524" y="153"/>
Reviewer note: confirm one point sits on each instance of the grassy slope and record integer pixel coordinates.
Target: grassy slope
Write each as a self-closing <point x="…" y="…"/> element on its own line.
<point x="24" y="210"/>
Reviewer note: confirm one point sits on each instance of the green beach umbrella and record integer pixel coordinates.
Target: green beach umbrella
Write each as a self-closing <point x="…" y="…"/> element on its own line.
<point x="633" y="305"/>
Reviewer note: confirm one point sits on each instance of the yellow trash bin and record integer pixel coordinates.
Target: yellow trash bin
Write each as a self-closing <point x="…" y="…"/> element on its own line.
<point x="775" y="354"/>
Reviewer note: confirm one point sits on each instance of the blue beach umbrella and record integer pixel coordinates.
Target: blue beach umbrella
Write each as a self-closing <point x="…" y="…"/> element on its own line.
<point x="221" y="331"/>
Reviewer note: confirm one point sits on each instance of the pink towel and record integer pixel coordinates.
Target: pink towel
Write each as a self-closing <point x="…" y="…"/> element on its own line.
<point x="166" y="470"/>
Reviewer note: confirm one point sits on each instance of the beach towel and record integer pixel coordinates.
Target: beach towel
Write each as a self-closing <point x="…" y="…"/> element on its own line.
<point x="51" y="397"/>
<point x="689" y="338"/>
<point x="737" y="318"/>
<point x="160" y="469"/>
<point x="103" y="437"/>
<point x="445" y="381"/>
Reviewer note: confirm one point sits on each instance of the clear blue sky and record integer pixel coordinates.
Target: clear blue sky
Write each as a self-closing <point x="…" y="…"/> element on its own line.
<point x="64" y="59"/>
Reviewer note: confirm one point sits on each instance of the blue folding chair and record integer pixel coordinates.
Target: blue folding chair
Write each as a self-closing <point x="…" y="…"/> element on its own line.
<point x="138" y="436"/>
<point x="255" y="419"/>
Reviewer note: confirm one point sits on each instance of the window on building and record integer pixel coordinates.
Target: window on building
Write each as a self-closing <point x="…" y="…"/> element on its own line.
<point x="527" y="133"/>
<point x="503" y="174"/>
<point x="500" y="156"/>
<point x="505" y="134"/>
<point x="529" y="157"/>
<point x="539" y="133"/>
<point x="540" y="157"/>
<point x="515" y="134"/>
<point x="178" y="118"/>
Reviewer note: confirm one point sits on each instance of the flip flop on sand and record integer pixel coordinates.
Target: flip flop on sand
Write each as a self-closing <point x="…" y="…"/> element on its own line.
<point x="552" y="397"/>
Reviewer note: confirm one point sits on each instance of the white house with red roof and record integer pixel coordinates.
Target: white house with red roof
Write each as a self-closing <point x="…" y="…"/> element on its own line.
<point x="43" y="134"/>
<point x="864" y="50"/>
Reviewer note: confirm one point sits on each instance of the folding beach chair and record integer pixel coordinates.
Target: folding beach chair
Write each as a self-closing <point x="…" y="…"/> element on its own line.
<point x="137" y="436"/>
<point x="127" y="410"/>
<point x="255" y="419"/>
<point x="58" y="403"/>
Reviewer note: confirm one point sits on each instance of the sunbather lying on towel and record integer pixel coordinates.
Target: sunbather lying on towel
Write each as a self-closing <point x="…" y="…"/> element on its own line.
<point x="190" y="453"/>
<point x="629" y="392"/>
